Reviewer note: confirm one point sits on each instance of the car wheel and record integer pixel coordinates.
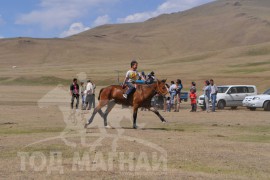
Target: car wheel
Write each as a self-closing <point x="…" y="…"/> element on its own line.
<point x="266" y="106"/>
<point x="234" y="107"/>
<point x="252" y="108"/>
<point x="221" y="104"/>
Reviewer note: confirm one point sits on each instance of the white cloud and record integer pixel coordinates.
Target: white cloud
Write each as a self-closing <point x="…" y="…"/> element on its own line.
<point x="101" y="20"/>
<point x="59" y="13"/>
<point x="1" y="37"/>
<point x="169" y="6"/>
<point x="74" y="28"/>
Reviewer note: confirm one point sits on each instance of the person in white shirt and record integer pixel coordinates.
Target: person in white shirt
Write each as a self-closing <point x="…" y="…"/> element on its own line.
<point x="88" y="93"/>
<point x="172" y="91"/>
<point x="92" y="99"/>
<point x="213" y="94"/>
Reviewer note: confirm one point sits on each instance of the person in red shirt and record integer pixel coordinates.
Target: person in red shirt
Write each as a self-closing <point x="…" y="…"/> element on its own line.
<point x="193" y="99"/>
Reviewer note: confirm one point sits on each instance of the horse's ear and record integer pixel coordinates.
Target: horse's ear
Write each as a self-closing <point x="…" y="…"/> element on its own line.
<point x="164" y="80"/>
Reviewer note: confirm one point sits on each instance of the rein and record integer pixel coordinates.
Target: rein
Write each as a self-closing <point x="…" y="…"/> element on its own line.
<point x="159" y="91"/>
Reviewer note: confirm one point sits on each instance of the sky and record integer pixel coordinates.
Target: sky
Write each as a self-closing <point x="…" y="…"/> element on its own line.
<point x="62" y="18"/>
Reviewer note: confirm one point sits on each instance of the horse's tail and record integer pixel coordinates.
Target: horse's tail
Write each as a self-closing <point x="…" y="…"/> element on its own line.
<point x="100" y="93"/>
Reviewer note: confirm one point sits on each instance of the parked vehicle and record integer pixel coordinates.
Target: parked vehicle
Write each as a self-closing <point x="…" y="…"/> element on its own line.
<point x="259" y="101"/>
<point x="184" y="96"/>
<point x="230" y="96"/>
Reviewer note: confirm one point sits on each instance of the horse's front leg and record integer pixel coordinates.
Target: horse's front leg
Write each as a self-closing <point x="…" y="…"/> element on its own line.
<point x="135" y="111"/>
<point x="101" y="104"/>
<point x="158" y="114"/>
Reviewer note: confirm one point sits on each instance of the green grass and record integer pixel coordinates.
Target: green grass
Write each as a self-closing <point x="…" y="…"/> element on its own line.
<point x="229" y="170"/>
<point x="247" y="70"/>
<point x="36" y="81"/>
<point x="10" y="131"/>
<point x="258" y="52"/>
<point x="252" y="138"/>
<point x="180" y="128"/>
<point x="4" y="78"/>
<point x="256" y="134"/>
<point x="251" y="64"/>
<point x="253" y="129"/>
<point x="191" y="58"/>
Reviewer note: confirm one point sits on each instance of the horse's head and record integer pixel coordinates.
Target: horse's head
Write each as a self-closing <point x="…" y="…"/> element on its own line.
<point x="161" y="87"/>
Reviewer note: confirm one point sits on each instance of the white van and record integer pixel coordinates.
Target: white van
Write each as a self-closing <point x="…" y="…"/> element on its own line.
<point x="230" y="95"/>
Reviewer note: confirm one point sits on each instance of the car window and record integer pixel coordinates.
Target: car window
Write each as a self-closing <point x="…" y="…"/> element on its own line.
<point x="241" y="89"/>
<point x="251" y="90"/>
<point x="222" y="89"/>
<point x="232" y="90"/>
<point x="267" y="92"/>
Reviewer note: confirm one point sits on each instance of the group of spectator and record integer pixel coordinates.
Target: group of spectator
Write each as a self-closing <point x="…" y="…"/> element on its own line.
<point x="172" y="102"/>
<point x="87" y="93"/>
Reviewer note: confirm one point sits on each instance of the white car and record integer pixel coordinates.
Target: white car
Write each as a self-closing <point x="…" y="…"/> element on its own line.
<point x="259" y="101"/>
<point x="230" y="96"/>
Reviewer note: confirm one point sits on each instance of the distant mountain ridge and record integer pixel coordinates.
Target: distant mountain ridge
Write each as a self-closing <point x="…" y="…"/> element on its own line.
<point x="214" y="26"/>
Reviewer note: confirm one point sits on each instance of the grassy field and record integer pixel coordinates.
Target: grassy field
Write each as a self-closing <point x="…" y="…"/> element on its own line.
<point x="228" y="144"/>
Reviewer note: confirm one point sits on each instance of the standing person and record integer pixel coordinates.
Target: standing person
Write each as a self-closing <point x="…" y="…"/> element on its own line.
<point x="131" y="76"/>
<point x="193" y="86"/>
<point x="207" y="91"/>
<point x="82" y="94"/>
<point x="165" y="99"/>
<point x="193" y="100"/>
<point x="88" y="93"/>
<point x="93" y="98"/>
<point x="172" y="91"/>
<point x="143" y="75"/>
<point x="179" y="87"/>
<point x="168" y="104"/>
<point x="150" y="78"/>
<point x="214" y="91"/>
<point x="74" y="92"/>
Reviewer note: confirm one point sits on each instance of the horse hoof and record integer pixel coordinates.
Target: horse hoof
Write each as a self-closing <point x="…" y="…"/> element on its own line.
<point x="164" y="122"/>
<point x="85" y="126"/>
<point x="135" y="127"/>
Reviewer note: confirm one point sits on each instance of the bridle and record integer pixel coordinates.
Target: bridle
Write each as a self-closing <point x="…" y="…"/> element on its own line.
<point x="160" y="91"/>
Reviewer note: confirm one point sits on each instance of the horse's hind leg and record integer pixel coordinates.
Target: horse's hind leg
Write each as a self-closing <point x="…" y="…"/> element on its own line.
<point x="111" y="104"/>
<point x="101" y="104"/>
<point x="157" y="113"/>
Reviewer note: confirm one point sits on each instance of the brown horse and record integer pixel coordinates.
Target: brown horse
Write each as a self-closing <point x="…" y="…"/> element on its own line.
<point x="113" y="94"/>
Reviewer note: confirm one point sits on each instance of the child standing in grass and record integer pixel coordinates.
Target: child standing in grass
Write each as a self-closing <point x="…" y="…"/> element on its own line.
<point x="193" y="99"/>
